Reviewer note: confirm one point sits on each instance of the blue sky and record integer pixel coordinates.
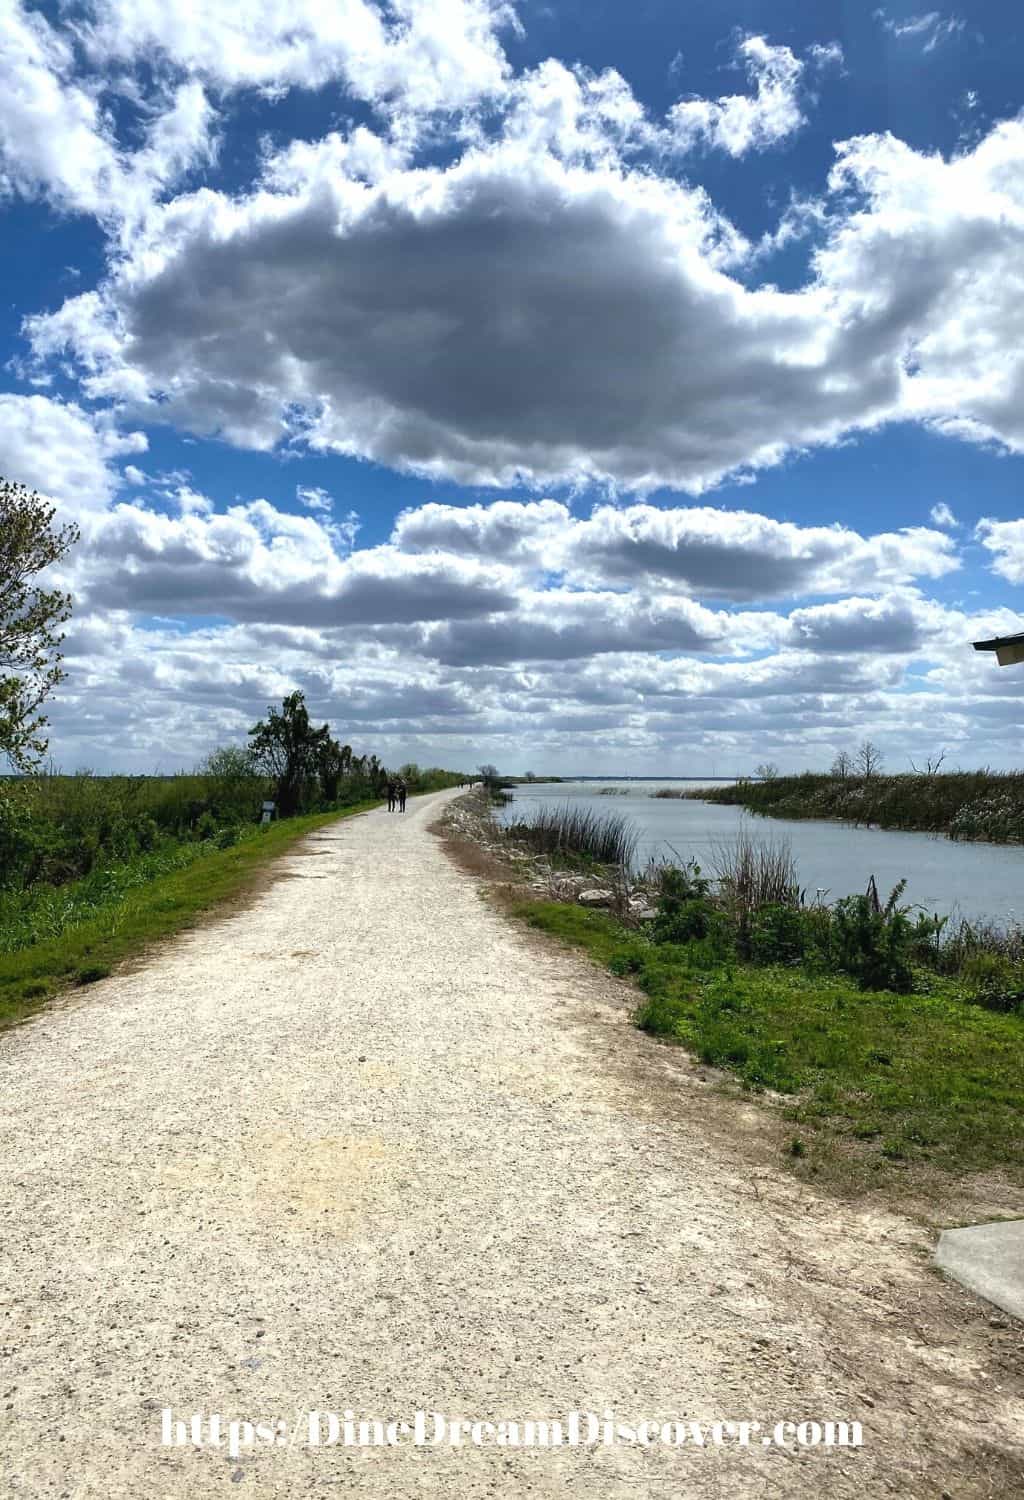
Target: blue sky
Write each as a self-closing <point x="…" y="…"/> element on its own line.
<point x="573" y="385"/>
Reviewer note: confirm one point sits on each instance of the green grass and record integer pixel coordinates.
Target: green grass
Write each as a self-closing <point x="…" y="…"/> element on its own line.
<point x="876" y="1081"/>
<point x="127" y="915"/>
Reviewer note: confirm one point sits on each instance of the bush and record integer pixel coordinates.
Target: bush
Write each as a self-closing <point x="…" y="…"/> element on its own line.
<point x="778" y="935"/>
<point x="206" y="827"/>
<point x="147" y="834"/>
<point x="993" y="982"/>
<point x="872" y="942"/>
<point x="684" y="908"/>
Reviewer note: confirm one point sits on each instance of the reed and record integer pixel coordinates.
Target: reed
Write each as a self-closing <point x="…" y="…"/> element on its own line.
<point x="606" y="838"/>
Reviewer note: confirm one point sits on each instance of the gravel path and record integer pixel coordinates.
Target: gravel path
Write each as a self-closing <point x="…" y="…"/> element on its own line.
<point x="366" y="1144"/>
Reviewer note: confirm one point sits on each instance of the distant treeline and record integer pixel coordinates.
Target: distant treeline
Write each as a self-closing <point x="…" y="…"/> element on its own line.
<point x="961" y="804"/>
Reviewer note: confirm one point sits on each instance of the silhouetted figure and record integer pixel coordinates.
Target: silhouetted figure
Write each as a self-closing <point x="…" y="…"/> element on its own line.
<point x="392" y="796"/>
<point x="402" y="793"/>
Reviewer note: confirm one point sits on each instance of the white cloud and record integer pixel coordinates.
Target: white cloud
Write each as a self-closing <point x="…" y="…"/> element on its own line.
<point x="393" y="346"/>
<point x="62" y="451"/>
<point x="642" y="709"/>
<point x="314" y="498"/>
<point x="57" y="138"/>
<point x="1005" y="540"/>
<point x="710" y="553"/>
<point x="739" y="123"/>
<point x="930" y="28"/>
<point x="741" y="555"/>
<point x="941" y="515"/>
<point x="255" y="562"/>
<point x="897" y="623"/>
<point x="421" y="54"/>
<point x="928" y="265"/>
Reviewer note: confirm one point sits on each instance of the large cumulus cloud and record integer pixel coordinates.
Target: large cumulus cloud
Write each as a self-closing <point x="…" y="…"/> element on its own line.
<point x="516" y="316"/>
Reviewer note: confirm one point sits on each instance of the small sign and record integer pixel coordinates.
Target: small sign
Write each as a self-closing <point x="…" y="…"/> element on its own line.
<point x="268" y="812"/>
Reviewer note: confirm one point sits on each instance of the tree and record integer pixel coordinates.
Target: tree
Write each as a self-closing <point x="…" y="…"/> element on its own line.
<point x="490" y="775"/>
<point x="30" y="620"/>
<point x="237" y="787"/>
<point x="868" y="760"/>
<point x="330" y="767"/>
<point x="766" y="771"/>
<point x="842" y="766"/>
<point x="931" y="767"/>
<point x="285" y="746"/>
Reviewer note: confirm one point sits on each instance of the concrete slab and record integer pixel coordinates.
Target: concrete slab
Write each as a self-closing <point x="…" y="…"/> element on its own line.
<point x="989" y="1259"/>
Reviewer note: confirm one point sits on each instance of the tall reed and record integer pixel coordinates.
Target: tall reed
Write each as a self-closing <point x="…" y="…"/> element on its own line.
<point x="607" y="838"/>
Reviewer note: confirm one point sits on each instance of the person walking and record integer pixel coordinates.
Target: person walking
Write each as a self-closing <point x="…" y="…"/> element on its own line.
<point x="402" y="791"/>
<point x="392" y="795"/>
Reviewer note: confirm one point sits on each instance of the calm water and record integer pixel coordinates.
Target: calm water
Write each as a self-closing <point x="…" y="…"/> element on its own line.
<point x="971" y="880"/>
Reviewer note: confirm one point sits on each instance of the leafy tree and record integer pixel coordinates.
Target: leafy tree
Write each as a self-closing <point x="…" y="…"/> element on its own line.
<point x="331" y="765"/>
<point x="237" y="784"/>
<point x="286" y="747"/>
<point x="30" y="617"/>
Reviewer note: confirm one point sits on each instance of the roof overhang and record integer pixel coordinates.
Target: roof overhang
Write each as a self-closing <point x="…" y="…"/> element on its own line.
<point x="1009" y="649"/>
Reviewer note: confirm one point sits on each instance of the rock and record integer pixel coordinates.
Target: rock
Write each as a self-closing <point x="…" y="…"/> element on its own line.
<point x="595" y="897"/>
<point x="642" y="913"/>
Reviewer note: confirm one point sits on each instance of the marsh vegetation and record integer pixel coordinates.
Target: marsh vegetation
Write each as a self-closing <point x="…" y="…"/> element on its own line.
<point x="965" y="805"/>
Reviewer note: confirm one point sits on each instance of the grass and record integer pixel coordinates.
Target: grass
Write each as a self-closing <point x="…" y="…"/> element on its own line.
<point x="876" y="1082"/>
<point x="99" y="934"/>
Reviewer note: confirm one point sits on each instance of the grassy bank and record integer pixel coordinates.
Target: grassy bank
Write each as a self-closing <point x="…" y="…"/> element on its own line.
<point x="75" y="933"/>
<point x="962" y="804"/>
<point x="873" y="1081"/>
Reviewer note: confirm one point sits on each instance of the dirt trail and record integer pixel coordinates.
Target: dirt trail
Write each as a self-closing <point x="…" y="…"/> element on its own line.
<point x="367" y="1145"/>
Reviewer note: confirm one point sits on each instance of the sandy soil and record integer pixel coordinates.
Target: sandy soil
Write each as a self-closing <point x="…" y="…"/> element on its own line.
<point x="367" y="1145"/>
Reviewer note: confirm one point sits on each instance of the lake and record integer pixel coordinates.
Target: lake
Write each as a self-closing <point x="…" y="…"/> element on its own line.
<point x="970" y="880"/>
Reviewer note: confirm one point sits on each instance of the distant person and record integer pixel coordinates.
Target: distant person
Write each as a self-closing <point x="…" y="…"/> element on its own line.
<point x="392" y="796"/>
<point x="402" y="790"/>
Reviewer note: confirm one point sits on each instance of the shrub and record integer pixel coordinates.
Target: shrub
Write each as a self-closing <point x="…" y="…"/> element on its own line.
<point x="684" y="907"/>
<point x="206" y="827"/>
<point x="778" y="935"/>
<point x="147" y="834"/>
<point x="993" y="982"/>
<point x="872" y="942"/>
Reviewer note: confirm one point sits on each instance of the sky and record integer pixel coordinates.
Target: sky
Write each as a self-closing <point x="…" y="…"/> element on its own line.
<point x="573" y="385"/>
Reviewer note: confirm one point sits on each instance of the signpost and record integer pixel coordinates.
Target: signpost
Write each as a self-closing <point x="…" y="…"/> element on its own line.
<point x="268" y="812"/>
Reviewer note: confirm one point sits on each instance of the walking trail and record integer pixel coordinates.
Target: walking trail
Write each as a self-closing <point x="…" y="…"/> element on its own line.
<point x="367" y="1144"/>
